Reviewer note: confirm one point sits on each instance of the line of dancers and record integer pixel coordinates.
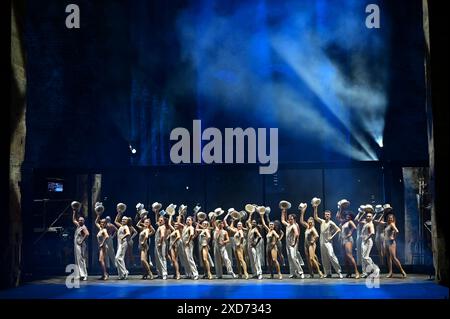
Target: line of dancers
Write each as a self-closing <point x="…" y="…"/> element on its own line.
<point x="249" y="235"/>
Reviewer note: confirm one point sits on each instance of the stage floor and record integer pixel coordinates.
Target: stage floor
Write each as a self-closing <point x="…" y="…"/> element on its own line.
<point x="413" y="287"/>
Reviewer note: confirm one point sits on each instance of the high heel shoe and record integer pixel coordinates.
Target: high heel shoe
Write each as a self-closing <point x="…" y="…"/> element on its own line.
<point x="106" y="277"/>
<point x="357" y="276"/>
<point x="389" y="276"/>
<point x="404" y="275"/>
<point x="209" y="276"/>
<point x="280" y="276"/>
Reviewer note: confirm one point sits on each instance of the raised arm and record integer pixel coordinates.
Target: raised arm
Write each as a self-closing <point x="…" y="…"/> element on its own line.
<point x="139" y="225"/>
<point x="339" y="216"/>
<point x="359" y="216"/>
<point x="302" y="218"/>
<point x="316" y="215"/>
<point x="283" y="218"/>
<point x="117" y="220"/>
<point x="74" y="218"/>
<point x="170" y="223"/>
<point x="231" y="226"/>
<point x="249" y="220"/>
<point x="380" y="219"/>
<point x="97" y="220"/>
<point x="264" y="222"/>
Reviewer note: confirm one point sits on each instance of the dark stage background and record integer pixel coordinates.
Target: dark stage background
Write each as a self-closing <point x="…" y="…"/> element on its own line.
<point x="336" y="90"/>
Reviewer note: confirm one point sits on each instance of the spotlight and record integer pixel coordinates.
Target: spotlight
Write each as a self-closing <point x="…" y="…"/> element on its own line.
<point x="379" y="141"/>
<point x="132" y="149"/>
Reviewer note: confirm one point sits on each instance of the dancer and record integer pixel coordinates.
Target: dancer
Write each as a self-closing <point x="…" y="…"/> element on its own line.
<point x="311" y="236"/>
<point x="272" y="242"/>
<point x="122" y="241"/>
<point x="292" y="238"/>
<point x="187" y="238"/>
<point x="326" y="240"/>
<point x="220" y="240"/>
<point x="378" y="220"/>
<point x="80" y="246"/>
<point x="160" y="248"/>
<point x="367" y="232"/>
<point x="204" y="237"/>
<point x="102" y="239"/>
<point x="390" y="233"/>
<point x="359" y="226"/>
<point x="280" y="232"/>
<point x="174" y="238"/>
<point x="146" y="231"/>
<point x="254" y="238"/>
<point x="110" y="258"/>
<point x="239" y="242"/>
<point x="347" y="229"/>
<point x="133" y="233"/>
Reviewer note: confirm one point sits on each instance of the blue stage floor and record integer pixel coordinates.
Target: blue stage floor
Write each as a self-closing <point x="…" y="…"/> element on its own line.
<point x="414" y="287"/>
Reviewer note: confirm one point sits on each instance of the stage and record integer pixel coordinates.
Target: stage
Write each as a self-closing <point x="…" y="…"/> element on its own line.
<point x="413" y="287"/>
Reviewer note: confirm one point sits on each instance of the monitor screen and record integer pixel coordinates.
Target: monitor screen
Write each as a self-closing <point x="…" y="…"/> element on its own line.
<point x="56" y="187"/>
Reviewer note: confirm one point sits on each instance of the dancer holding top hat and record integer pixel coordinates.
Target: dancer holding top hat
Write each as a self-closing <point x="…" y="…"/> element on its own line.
<point x="102" y="239"/>
<point x="311" y="236"/>
<point x="347" y="228"/>
<point x="160" y="248"/>
<point x="187" y="237"/>
<point x="122" y="241"/>
<point x="80" y="246"/>
<point x="326" y="240"/>
<point x="220" y="239"/>
<point x="254" y="237"/>
<point x="204" y="237"/>
<point x="367" y="233"/>
<point x="239" y="240"/>
<point x="174" y="239"/>
<point x="146" y="231"/>
<point x="390" y="233"/>
<point x="272" y="242"/>
<point x="378" y="221"/>
<point x="110" y="258"/>
<point x="292" y="239"/>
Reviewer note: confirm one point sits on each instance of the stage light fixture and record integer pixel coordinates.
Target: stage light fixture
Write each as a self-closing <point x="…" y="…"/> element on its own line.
<point x="132" y="149"/>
